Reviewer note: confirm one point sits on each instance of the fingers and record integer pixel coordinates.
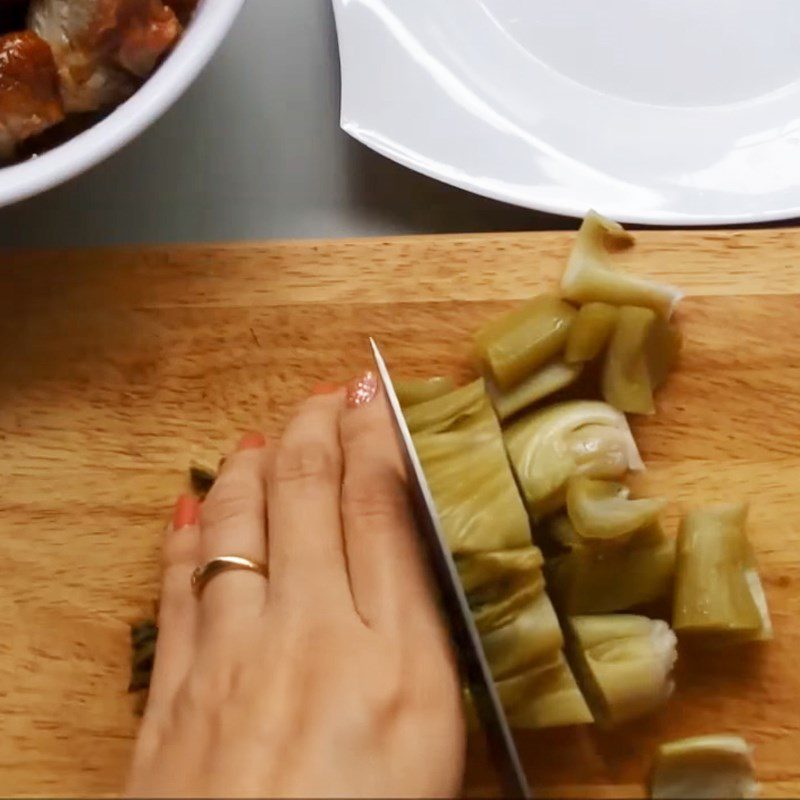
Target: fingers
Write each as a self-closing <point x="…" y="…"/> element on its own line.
<point x="233" y="523"/>
<point x="306" y="549"/>
<point x="387" y="574"/>
<point x="178" y="612"/>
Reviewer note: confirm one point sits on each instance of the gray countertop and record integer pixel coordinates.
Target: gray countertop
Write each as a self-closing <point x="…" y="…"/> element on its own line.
<point x="253" y="150"/>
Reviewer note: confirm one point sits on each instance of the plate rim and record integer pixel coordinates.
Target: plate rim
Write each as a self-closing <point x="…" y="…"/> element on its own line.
<point x="417" y="162"/>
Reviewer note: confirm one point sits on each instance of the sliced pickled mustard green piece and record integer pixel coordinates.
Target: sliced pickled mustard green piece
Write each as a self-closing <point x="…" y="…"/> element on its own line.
<point x="412" y="391"/>
<point x="474" y="490"/>
<point x="495" y="612"/>
<point x="607" y="578"/>
<point x="589" y="276"/>
<point x="714" y="766"/>
<point x="559" y="530"/>
<point x="532" y="636"/>
<point x="461" y="449"/>
<point x="465" y="407"/>
<point x="590" y="332"/>
<point x="626" y="380"/>
<point x="623" y="663"/>
<point x="718" y="594"/>
<point x="484" y="574"/>
<point x="603" y="510"/>
<point x="551" y="378"/>
<point x="581" y="437"/>
<point x="516" y="620"/>
<point x="514" y="345"/>
<point x="643" y="349"/>
<point x="544" y="697"/>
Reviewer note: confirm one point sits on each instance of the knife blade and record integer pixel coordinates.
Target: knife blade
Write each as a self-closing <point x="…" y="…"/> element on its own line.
<point x="474" y="665"/>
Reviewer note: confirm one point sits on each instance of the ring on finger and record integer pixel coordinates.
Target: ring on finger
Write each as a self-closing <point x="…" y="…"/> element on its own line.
<point x="216" y="566"/>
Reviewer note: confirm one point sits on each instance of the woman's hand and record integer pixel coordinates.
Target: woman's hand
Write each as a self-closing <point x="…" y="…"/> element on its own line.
<point x="334" y="677"/>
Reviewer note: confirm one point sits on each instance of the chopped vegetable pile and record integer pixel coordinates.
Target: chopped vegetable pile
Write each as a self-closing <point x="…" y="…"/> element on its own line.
<point x="527" y="467"/>
<point x="561" y="372"/>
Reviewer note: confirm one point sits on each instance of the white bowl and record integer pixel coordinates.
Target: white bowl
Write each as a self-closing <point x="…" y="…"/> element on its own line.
<point x="211" y="22"/>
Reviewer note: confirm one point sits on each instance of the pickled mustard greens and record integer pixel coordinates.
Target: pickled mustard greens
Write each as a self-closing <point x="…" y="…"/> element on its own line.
<point x="480" y="572"/>
<point x="523" y="643"/>
<point x="543" y="697"/>
<point x="581" y="437"/>
<point x="718" y="594"/>
<point x="201" y="479"/>
<point x="531" y="635"/>
<point x="143" y="651"/>
<point x="551" y="378"/>
<point x="515" y="594"/>
<point x="460" y="446"/>
<point x="601" y="578"/>
<point x="606" y="552"/>
<point x="590" y="278"/>
<point x="516" y="344"/>
<point x="144" y="634"/>
<point x="642" y="350"/>
<point x="590" y="332"/>
<point x="505" y="590"/>
<point x="626" y="379"/>
<point x="623" y="662"/>
<point x="715" y="766"/>
<point x="593" y="575"/>
<point x="487" y="530"/>
<point x="464" y="407"/>
<point x="603" y="510"/>
<point x="473" y="488"/>
<point x="412" y="391"/>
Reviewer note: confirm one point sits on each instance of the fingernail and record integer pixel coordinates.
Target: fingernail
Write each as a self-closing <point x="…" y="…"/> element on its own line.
<point x="362" y="390"/>
<point x="186" y="512"/>
<point x="251" y="441"/>
<point x="325" y="387"/>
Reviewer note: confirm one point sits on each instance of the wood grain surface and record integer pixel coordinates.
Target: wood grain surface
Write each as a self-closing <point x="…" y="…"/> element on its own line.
<point x="118" y="367"/>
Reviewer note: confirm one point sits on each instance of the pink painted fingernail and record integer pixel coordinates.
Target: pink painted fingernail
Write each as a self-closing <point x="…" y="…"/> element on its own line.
<point x="362" y="390"/>
<point x="251" y="441"/>
<point x="186" y="512"/>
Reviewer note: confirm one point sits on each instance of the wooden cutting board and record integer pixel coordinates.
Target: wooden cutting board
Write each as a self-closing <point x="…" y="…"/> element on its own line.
<point x="118" y="366"/>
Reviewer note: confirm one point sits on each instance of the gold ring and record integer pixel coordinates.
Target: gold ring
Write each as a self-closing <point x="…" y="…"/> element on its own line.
<point x="216" y="566"/>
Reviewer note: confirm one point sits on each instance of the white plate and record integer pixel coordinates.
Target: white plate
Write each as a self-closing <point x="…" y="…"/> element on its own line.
<point x="655" y="111"/>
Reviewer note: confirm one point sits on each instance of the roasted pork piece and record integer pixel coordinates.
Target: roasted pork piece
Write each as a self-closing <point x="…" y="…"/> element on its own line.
<point x="103" y="48"/>
<point x="29" y="93"/>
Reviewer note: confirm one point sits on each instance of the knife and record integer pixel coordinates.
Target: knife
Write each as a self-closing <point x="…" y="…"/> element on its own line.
<point x="474" y="666"/>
